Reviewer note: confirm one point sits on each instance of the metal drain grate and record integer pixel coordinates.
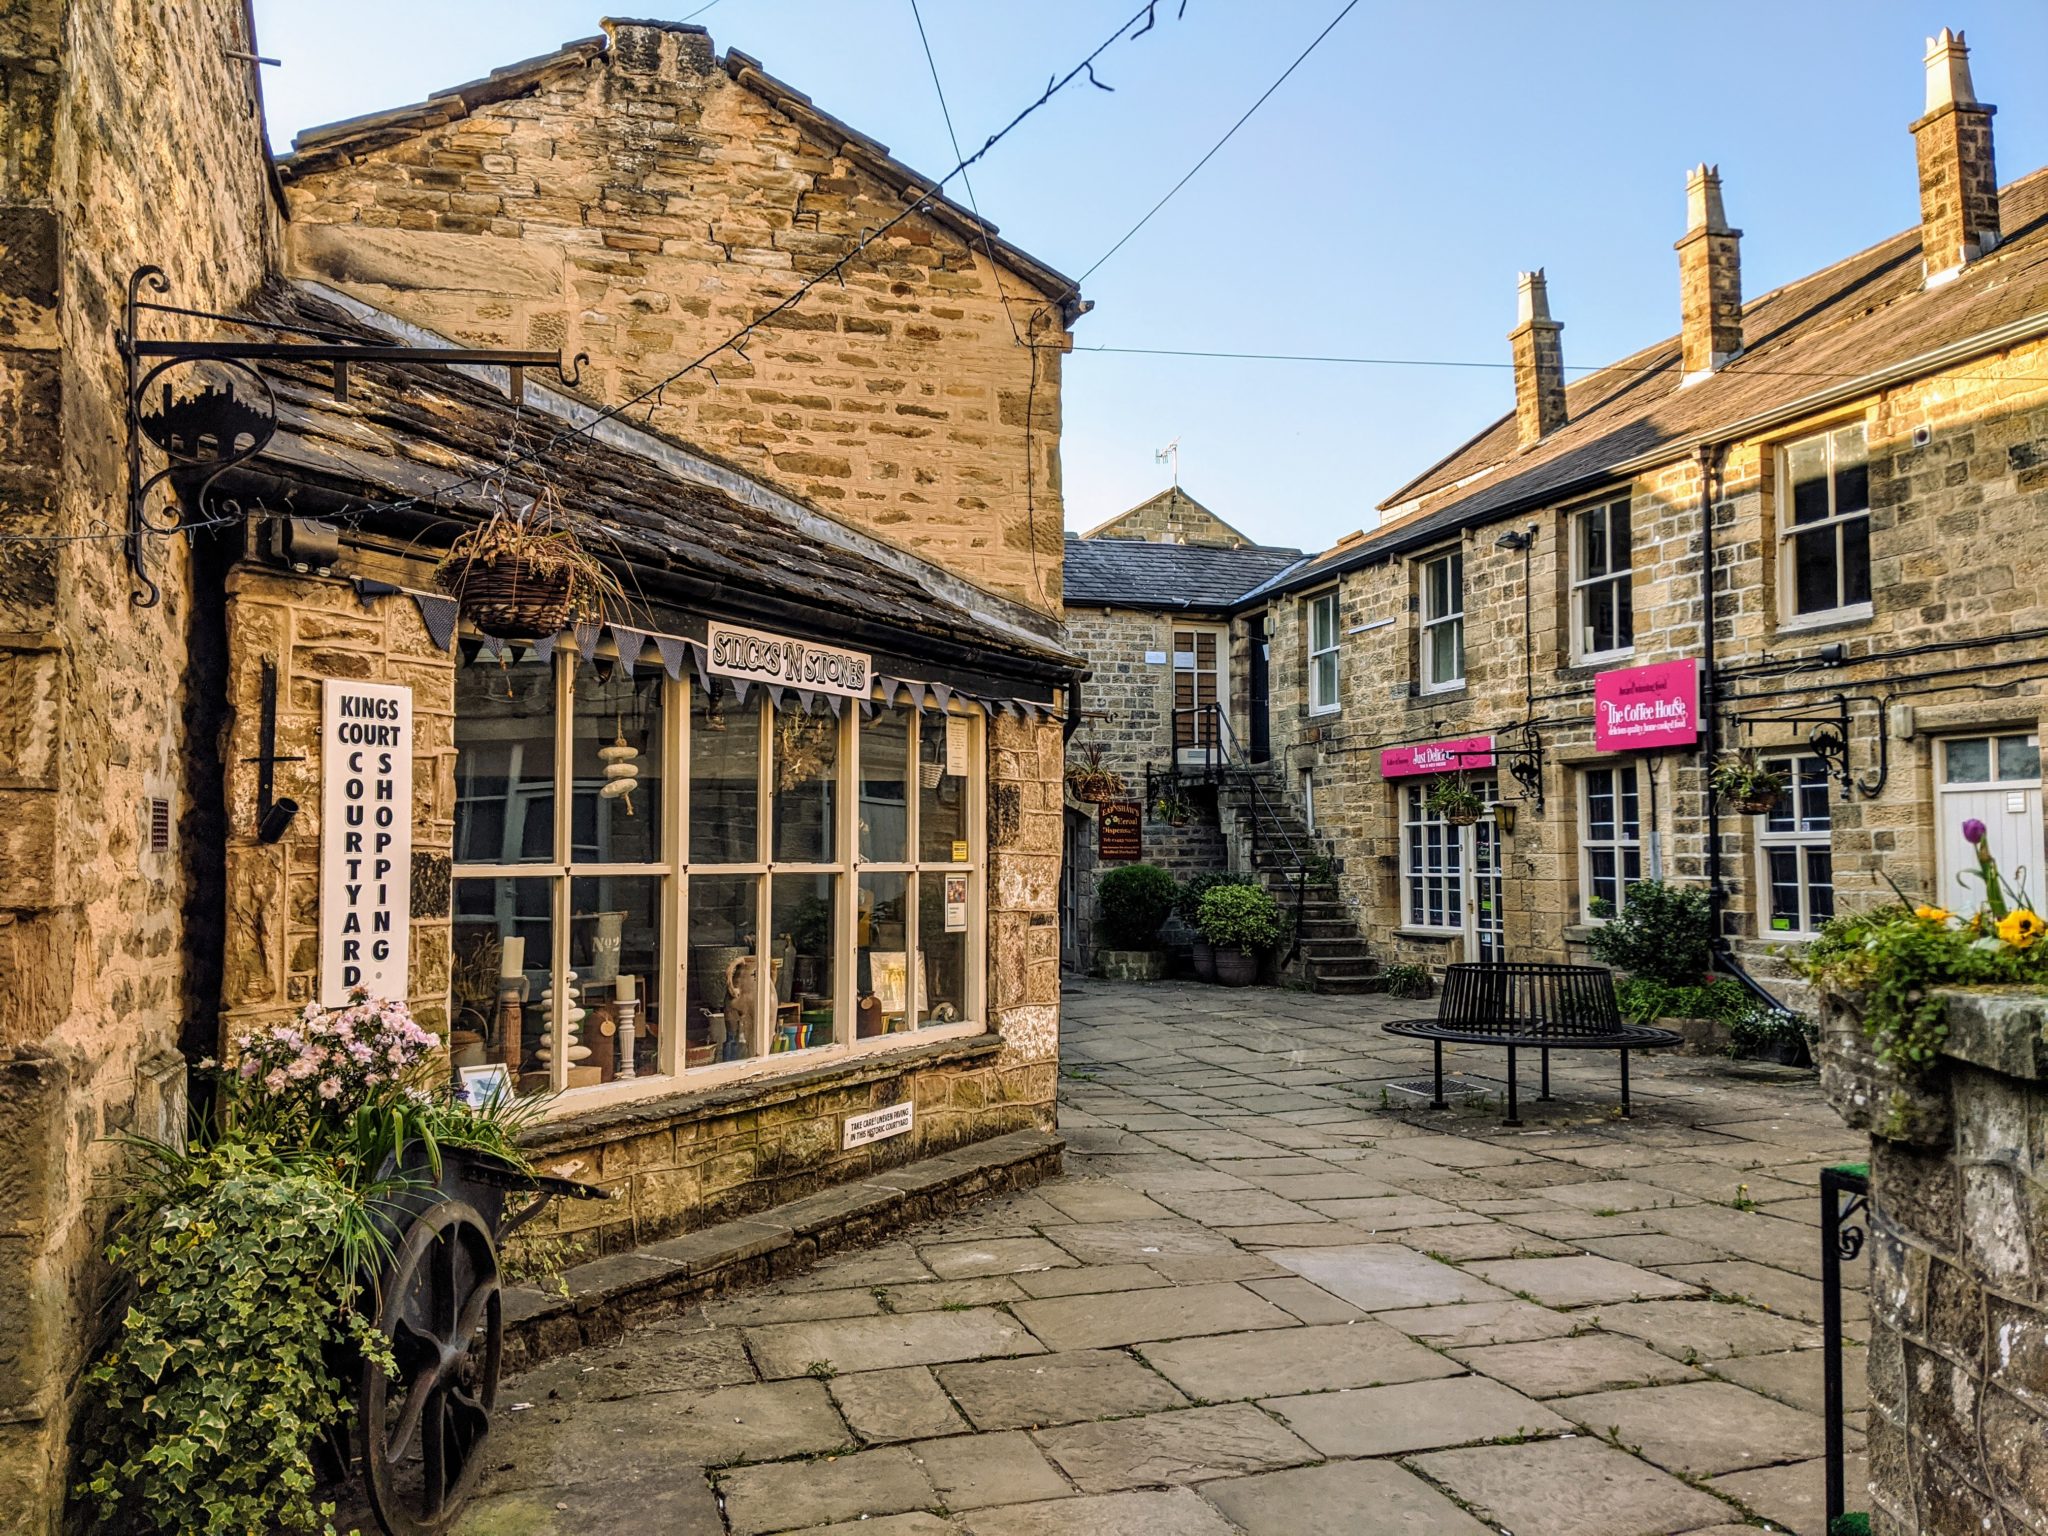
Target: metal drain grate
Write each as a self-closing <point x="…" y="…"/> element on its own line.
<point x="1457" y="1085"/>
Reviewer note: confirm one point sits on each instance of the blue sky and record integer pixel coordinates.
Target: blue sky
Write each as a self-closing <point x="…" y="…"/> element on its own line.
<point x="1379" y="205"/>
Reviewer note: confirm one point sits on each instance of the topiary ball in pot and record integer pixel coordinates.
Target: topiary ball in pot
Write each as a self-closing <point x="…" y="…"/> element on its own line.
<point x="1242" y="922"/>
<point x="1132" y="904"/>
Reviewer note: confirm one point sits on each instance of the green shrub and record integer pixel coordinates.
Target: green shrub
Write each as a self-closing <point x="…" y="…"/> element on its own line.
<point x="1189" y="903"/>
<point x="1663" y="933"/>
<point x="1133" y="903"/>
<point x="1240" y="917"/>
<point x="1408" y="981"/>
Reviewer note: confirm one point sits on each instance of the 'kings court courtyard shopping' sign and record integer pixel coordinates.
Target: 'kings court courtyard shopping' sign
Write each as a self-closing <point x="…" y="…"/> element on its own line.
<point x="365" y="839"/>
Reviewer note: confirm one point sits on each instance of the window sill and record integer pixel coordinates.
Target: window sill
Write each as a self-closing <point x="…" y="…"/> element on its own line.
<point x="1439" y="690"/>
<point x="1324" y="711"/>
<point x="1602" y="659"/>
<point x="1833" y="618"/>
<point x="1431" y="935"/>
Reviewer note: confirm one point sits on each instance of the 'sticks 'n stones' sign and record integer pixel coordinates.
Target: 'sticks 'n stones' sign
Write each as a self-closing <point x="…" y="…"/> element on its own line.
<point x="365" y="839"/>
<point x="760" y="658"/>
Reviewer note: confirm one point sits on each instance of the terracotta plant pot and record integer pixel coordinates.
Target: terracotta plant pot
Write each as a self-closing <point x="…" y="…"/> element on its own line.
<point x="509" y="598"/>
<point x="1203" y="954"/>
<point x="1236" y="967"/>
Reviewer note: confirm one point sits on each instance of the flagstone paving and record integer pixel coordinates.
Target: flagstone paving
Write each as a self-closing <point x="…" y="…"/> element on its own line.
<point x="1272" y="1295"/>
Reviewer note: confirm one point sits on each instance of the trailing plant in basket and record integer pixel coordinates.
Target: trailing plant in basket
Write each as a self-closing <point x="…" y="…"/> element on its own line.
<point x="524" y="573"/>
<point x="1743" y="780"/>
<point x="1454" y="800"/>
<point x="1241" y="917"/>
<point x="1134" y="902"/>
<point x="1091" y="781"/>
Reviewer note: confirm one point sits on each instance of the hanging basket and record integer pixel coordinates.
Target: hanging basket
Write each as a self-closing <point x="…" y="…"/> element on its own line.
<point x="1463" y="817"/>
<point x="1754" y="805"/>
<point x="510" y="598"/>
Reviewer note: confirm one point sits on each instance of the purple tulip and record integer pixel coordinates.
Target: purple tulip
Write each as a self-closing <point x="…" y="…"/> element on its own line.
<point x="1973" y="831"/>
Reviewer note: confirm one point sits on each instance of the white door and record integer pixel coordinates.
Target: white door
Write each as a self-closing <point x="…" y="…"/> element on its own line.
<point x="1201" y="691"/>
<point x="1995" y="780"/>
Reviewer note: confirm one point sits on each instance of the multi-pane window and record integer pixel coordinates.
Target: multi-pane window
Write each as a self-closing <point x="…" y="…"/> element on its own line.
<point x="1443" y="621"/>
<point x="1796" y="850"/>
<point x="653" y="877"/>
<point x="1199" y="687"/>
<point x="1322" y="653"/>
<point x="1824" y="522"/>
<point x="1610" y="839"/>
<point x="1603" y="603"/>
<point x="1432" y="864"/>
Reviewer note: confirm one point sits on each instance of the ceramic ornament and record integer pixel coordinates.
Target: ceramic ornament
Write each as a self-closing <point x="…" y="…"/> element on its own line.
<point x="574" y="1048"/>
<point x="621" y="771"/>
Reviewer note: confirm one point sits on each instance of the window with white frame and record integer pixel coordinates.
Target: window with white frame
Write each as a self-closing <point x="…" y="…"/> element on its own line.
<point x="1443" y="621"/>
<point x="1432" y="864"/>
<point x="1322" y="653"/>
<point x="1610" y="839"/>
<point x="654" y="878"/>
<point x="1824" y="524"/>
<point x="1603" y="601"/>
<point x="1795" y="850"/>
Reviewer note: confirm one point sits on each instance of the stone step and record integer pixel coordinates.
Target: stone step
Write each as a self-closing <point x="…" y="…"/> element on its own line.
<point x="1349" y="986"/>
<point x="1335" y="948"/>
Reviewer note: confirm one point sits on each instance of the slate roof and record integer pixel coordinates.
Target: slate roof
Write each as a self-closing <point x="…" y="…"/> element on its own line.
<point x="697" y="533"/>
<point x="1123" y="573"/>
<point x="1802" y="342"/>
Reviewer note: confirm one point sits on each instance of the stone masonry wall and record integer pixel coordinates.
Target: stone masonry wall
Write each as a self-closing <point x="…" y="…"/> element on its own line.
<point x="1171" y="517"/>
<point x="1958" y="563"/>
<point x="128" y="137"/>
<point x="645" y="206"/>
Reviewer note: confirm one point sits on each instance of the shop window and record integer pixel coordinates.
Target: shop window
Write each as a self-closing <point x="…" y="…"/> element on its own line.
<point x="1322" y="653"/>
<point x="1432" y="864"/>
<point x="1824" y="525"/>
<point x="1795" y="847"/>
<point x="632" y="851"/>
<point x="1603" y="599"/>
<point x="1610" y="839"/>
<point x="1443" y="622"/>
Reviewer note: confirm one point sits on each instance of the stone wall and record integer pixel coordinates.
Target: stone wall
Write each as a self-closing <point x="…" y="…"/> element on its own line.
<point x="1958" y="564"/>
<point x="1171" y="517"/>
<point x="642" y="206"/>
<point x="1958" y="1356"/>
<point x="129" y="137"/>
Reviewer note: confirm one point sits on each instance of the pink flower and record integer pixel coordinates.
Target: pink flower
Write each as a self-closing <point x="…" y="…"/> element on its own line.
<point x="275" y="1081"/>
<point x="329" y="1088"/>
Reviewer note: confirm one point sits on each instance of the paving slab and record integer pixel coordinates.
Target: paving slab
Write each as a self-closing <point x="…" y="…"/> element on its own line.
<point x="1570" y="1488"/>
<point x="1328" y="1184"/>
<point x="1340" y="1498"/>
<point x="1591" y="1362"/>
<point x="1056" y="1389"/>
<point x="1134" y="1317"/>
<point x="1396" y="1213"/>
<point x="1482" y="1240"/>
<point x="1237" y="1208"/>
<point x="916" y="1523"/>
<point x="1788" y="1294"/>
<point x="790" y="1495"/>
<point x="1416" y="1416"/>
<point x="1313" y="1359"/>
<point x="1579" y="1281"/>
<point x="1794" y="1497"/>
<point x="1310" y="1303"/>
<point x="1651" y="1250"/>
<point x="1189" y="1446"/>
<point x="903" y="1404"/>
<point x="1000" y="1256"/>
<point x="1140" y="1241"/>
<point x="1795" y="1377"/>
<point x="1101" y="1200"/>
<point x="1702" y="1428"/>
<point x="674" y="1500"/>
<point x="1707" y="1330"/>
<point x="683" y="1356"/>
<point x="952" y="1295"/>
<point x="974" y="1471"/>
<point x="1484" y="1322"/>
<point x="1088" y="1279"/>
<point x="1609" y="1196"/>
<point x="1376" y="1276"/>
<point x="1318" y="1232"/>
<point x="1176" y="1512"/>
<point x="880" y="1343"/>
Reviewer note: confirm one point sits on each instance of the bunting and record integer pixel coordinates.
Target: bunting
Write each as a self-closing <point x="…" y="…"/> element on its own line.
<point x="439" y="615"/>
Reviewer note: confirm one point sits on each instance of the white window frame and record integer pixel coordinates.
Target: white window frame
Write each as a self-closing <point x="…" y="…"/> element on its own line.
<point x="1621" y="843"/>
<point x="670" y="990"/>
<point x="1837" y="521"/>
<point x="1441" y="867"/>
<point x="1453" y="617"/>
<point x="1322" y="608"/>
<point x="1584" y="582"/>
<point x="1803" y="772"/>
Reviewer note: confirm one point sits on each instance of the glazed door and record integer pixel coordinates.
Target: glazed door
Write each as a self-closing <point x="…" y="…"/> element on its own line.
<point x="1995" y="780"/>
<point x="1200" y="690"/>
<point x="1485" y="937"/>
<point x="1260" y="688"/>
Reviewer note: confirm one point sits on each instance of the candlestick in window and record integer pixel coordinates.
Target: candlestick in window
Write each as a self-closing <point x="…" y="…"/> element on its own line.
<point x="626" y="1004"/>
<point x="511" y="998"/>
<point x="621" y="772"/>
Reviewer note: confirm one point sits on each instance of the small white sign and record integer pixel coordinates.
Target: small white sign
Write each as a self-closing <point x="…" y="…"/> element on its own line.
<point x="956" y="903"/>
<point x="1155" y="658"/>
<point x="876" y="1125"/>
<point x="956" y="746"/>
<point x="365" y="839"/>
<point x="734" y="652"/>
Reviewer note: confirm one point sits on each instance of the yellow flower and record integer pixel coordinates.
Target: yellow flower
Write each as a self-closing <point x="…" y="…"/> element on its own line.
<point x="1933" y="914"/>
<point x="2021" y="928"/>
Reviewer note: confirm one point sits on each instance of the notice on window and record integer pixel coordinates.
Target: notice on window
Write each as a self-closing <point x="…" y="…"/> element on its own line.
<point x="961" y="852"/>
<point x="876" y="1125"/>
<point x="365" y="839"/>
<point x="957" y="764"/>
<point x="956" y="903"/>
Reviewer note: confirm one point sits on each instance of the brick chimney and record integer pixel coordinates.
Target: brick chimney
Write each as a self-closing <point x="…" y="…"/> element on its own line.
<point x="1539" y="362"/>
<point x="1709" y="277"/>
<point x="1958" y="180"/>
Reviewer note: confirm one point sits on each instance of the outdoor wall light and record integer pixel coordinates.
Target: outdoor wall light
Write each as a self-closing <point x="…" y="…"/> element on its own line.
<point x="1504" y="817"/>
<point x="277" y="820"/>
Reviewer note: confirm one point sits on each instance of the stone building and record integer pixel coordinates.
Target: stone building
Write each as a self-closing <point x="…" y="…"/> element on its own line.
<point x="1809" y="524"/>
<point x="834" y="687"/>
<point x="1176" y="680"/>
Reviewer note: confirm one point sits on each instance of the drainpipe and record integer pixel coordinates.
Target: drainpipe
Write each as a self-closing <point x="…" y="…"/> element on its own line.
<point x="1725" y="961"/>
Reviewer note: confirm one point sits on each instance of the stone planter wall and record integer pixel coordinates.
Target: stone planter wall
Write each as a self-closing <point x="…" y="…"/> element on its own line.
<point x="1958" y="1357"/>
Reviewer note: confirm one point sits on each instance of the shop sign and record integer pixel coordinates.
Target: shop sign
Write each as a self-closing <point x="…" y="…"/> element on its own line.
<point x="876" y="1125"/>
<point x="1122" y="831"/>
<point x="1469" y="752"/>
<point x="787" y="663"/>
<point x="365" y="838"/>
<point x="1635" y="708"/>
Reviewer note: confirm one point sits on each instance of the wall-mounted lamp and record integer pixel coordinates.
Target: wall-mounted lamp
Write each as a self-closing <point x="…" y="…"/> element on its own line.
<point x="277" y="820"/>
<point x="1504" y="817"/>
<point x="1514" y="540"/>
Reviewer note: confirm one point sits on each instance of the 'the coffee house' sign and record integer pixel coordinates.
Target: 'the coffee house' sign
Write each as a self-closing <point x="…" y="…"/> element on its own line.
<point x="365" y="839"/>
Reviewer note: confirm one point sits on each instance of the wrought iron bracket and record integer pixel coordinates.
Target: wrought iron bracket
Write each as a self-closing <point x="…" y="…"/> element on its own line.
<point x="213" y="423"/>
<point x="1524" y="763"/>
<point x="1827" y="738"/>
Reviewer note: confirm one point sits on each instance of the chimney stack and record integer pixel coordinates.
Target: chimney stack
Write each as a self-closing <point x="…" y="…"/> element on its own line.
<point x="1709" y="277"/>
<point x="1539" y="362"/>
<point x="1958" y="179"/>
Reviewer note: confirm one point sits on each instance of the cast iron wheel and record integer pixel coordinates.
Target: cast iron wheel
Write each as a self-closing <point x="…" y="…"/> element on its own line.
<point x="424" y="1425"/>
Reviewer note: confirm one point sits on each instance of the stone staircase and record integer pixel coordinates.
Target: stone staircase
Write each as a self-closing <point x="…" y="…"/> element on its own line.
<point x="1273" y="842"/>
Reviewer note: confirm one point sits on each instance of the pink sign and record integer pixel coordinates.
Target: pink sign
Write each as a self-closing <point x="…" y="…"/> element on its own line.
<point x="1437" y="757"/>
<point x="1635" y="708"/>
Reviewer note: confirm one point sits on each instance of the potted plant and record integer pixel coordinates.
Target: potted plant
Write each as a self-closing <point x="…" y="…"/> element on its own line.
<point x="1242" y="922"/>
<point x="1454" y="800"/>
<point x="1189" y="905"/>
<point x="1172" y="807"/>
<point x="1088" y="780"/>
<point x="523" y="574"/>
<point x="1132" y="904"/>
<point x="1746" y="784"/>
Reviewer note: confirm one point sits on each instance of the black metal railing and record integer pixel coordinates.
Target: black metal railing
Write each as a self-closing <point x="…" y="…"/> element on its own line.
<point x="1844" y="1218"/>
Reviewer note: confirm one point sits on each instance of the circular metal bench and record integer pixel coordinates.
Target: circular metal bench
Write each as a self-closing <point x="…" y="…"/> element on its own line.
<point x="1531" y="1006"/>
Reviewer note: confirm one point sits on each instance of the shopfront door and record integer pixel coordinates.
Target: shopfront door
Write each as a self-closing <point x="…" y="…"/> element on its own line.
<point x="1201" y="657"/>
<point x="1995" y="780"/>
<point x="1485" y="930"/>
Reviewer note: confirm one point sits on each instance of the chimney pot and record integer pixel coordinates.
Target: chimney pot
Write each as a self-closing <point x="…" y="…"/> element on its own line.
<point x="1709" y="278"/>
<point x="1958" y="171"/>
<point x="1539" y="362"/>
